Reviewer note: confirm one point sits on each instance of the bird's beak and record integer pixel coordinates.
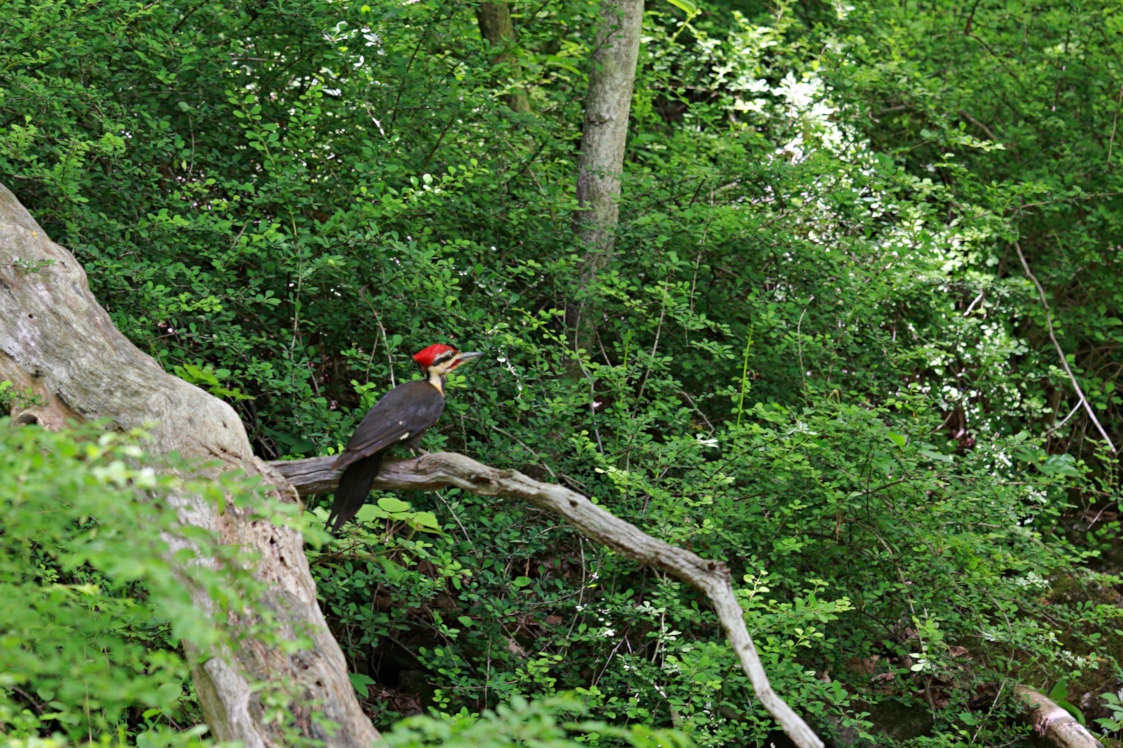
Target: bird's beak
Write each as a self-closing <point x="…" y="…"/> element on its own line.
<point x="464" y="357"/>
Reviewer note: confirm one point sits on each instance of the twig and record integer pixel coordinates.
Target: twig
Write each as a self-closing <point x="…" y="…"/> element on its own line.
<point x="296" y="312"/>
<point x="455" y="518"/>
<point x="580" y="592"/>
<point x="1060" y="351"/>
<point x="385" y="340"/>
<point x="524" y="445"/>
<point x="1114" y="123"/>
<point x="1070" y="198"/>
<point x="981" y="125"/>
<point x="993" y="704"/>
<point x="697" y="410"/>
<point x="977" y="299"/>
<point x="588" y="378"/>
<point x="1099" y="514"/>
<point x="1064" y="420"/>
<point x="799" y="343"/>
<point x="603" y="670"/>
<point x="654" y="348"/>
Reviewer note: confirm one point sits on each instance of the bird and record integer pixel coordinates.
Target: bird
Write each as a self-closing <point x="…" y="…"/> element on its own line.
<point x="401" y="416"/>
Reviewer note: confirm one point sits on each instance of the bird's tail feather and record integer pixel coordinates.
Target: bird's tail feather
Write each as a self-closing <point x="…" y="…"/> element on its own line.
<point x="352" y="491"/>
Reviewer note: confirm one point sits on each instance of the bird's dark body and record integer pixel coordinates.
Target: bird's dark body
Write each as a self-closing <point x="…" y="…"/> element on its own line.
<point x="401" y="416"/>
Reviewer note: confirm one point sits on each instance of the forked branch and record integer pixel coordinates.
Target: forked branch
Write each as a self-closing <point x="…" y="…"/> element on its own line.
<point x="431" y="471"/>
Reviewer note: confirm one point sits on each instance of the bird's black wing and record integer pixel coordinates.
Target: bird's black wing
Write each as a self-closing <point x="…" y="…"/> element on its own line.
<point x="401" y="415"/>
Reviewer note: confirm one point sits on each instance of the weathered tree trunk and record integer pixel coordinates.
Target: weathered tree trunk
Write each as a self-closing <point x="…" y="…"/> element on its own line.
<point x="494" y="19"/>
<point x="56" y="341"/>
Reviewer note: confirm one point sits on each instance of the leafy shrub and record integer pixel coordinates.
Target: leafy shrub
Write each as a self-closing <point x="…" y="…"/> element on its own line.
<point x="96" y="612"/>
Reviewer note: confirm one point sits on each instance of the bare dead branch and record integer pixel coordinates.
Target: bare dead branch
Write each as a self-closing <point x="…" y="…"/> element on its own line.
<point x="1114" y="125"/>
<point x="314" y="475"/>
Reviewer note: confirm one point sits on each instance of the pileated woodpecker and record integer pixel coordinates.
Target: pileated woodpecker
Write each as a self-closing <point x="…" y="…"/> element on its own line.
<point x="400" y="417"/>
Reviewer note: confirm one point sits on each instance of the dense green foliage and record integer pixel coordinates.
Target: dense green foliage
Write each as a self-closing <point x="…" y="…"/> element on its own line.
<point x="818" y="356"/>
<point x="94" y="607"/>
<point x="1012" y="110"/>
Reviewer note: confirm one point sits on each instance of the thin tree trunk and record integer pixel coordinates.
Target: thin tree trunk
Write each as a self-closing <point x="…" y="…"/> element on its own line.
<point x="57" y="342"/>
<point x="601" y="162"/>
<point x="496" y="27"/>
<point x="607" y="105"/>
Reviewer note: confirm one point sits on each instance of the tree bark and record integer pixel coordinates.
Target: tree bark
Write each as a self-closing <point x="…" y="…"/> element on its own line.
<point x="600" y="163"/>
<point x="494" y="19"/>
<point x="1054" y="723"/>
<point x="607" y="105"/>
<point x="314" y="475"/>
<point x="57" y="342"/>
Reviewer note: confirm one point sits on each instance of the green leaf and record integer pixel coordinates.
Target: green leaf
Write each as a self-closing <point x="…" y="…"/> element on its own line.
<point x="687" y="7"/>
<point x="361" y="683"/>
<point x="392" y="505"/>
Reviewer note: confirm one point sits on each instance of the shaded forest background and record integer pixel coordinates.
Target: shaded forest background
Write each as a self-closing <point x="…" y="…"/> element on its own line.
<point x="819" y="352"/>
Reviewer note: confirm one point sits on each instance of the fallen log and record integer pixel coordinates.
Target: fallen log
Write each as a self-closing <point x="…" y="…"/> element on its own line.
<point x="1053" y="722"/>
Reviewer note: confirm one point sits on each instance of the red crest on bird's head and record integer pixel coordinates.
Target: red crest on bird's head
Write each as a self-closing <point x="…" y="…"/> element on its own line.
<point x="427" y="356"/>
